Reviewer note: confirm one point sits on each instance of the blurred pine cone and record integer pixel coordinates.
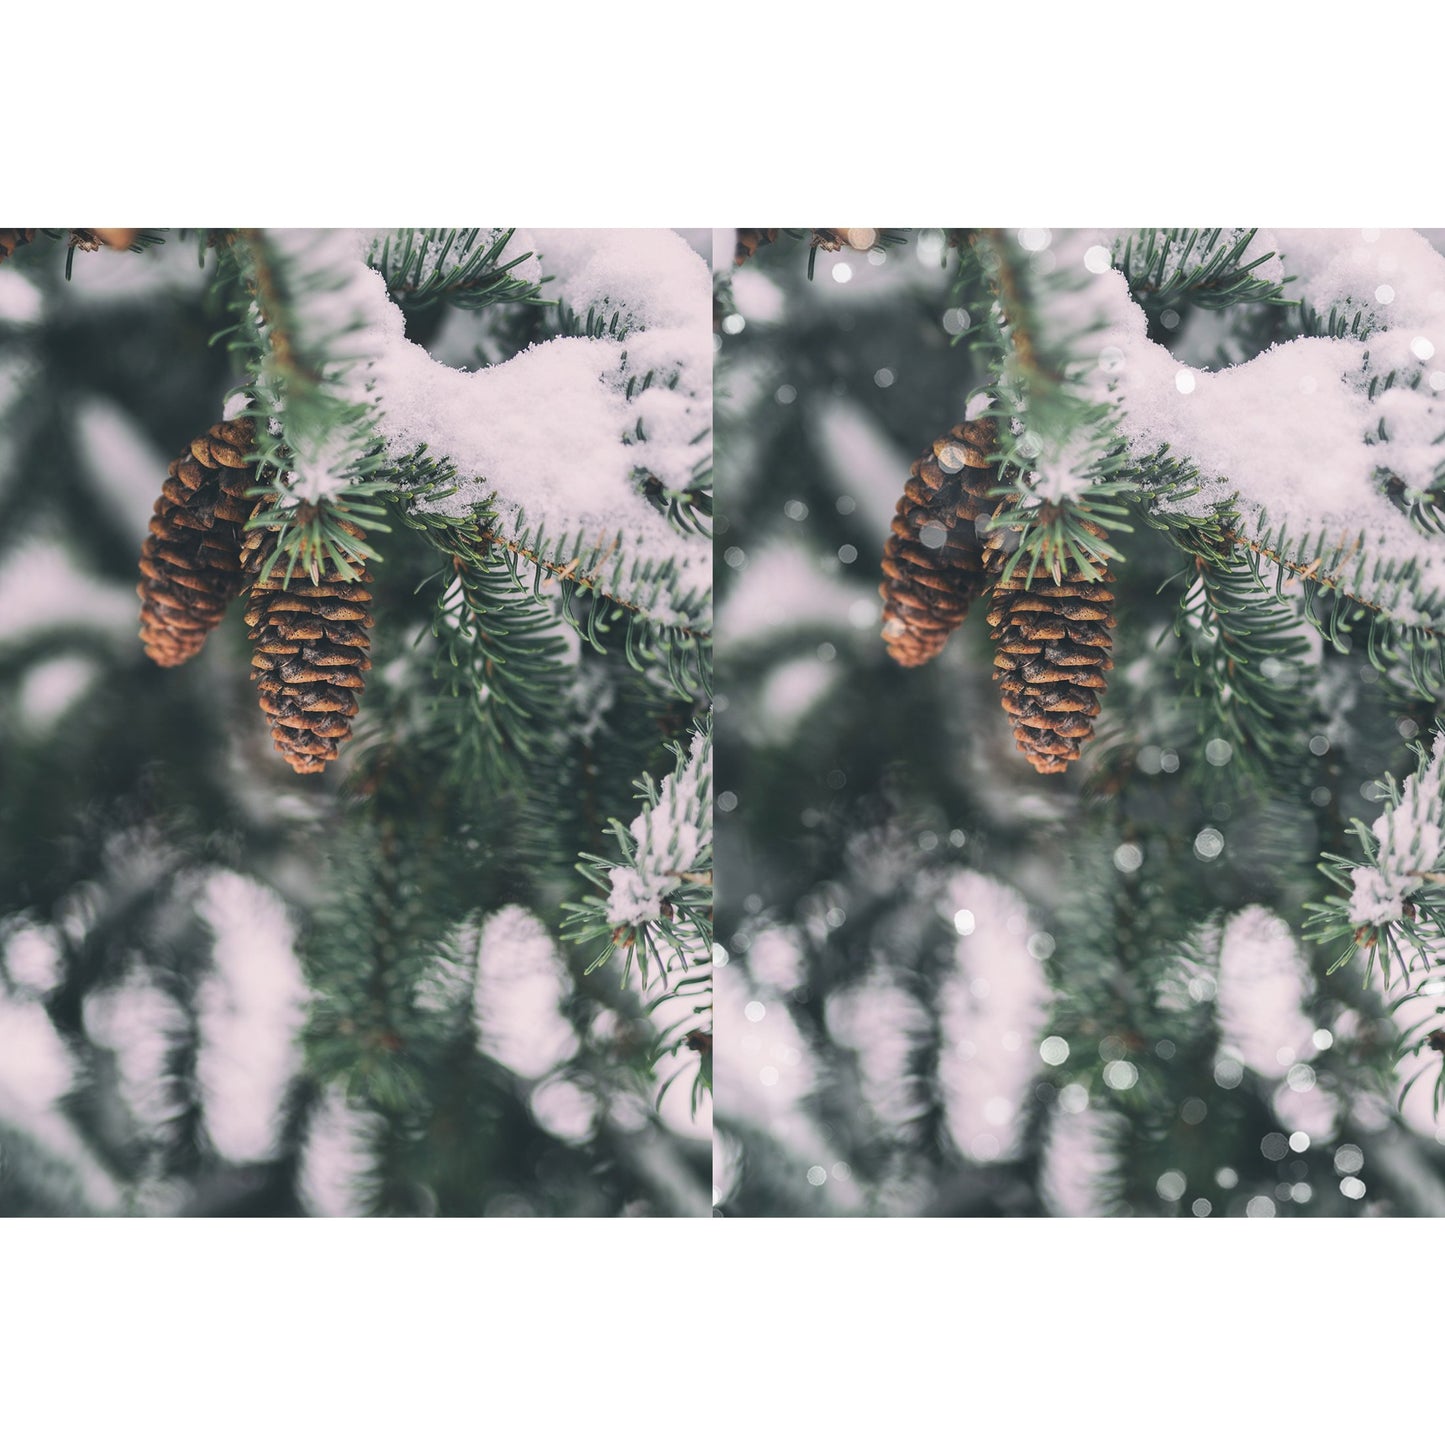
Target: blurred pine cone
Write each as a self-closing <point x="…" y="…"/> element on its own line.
<point x="748" y="241"/>
<point x="11" y="240"/>
<point x="311" y="646"/>
<point x="190" y="562"/>
<point x="933" y="566"/>
<point x="1053" y="645"/>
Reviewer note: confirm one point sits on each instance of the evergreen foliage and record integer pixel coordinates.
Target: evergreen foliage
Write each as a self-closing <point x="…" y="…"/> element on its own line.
<point x="239" y="992"/>
<point x="964" y="989"/>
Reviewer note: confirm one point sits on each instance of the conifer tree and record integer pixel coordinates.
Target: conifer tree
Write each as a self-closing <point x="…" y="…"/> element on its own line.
<point x="389" y="888"/>
<point x="1097" y="911"/>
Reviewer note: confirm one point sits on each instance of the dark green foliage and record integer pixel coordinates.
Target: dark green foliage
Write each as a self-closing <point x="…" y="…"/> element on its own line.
<point x="120" y="802"/>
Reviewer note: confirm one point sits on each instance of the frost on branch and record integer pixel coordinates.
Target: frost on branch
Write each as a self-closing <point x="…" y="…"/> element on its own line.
<point x="1408" y="842"/>
<point x="671" y="842"/>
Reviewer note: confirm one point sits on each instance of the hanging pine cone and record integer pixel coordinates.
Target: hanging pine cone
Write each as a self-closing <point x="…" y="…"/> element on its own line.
<point x="1053" y="645"/>
<point x="933" y="560"/>
<point x="749" y="239"/>
<point x="311" y="644"/>
<point x="11" y="240"/>
<point x="190" y="563"/>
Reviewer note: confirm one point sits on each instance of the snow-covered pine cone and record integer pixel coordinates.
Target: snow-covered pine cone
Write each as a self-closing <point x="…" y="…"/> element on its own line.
<point x="1052" y="645"/>
<point x="749" y="239"/>
<point x="933" y="565"/>
<point x="191" y="561"/>
<point x="311" y="644"/>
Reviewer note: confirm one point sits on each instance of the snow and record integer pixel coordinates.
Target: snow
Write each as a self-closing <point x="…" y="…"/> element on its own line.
<point x="250" y="1009"/>
<point x="1293" y="432"/>
<point x="1410" y="842"/>
<point x="124" y="464"/>
<point x="672" y="837"/>
<point x="1081" y="1154"/>
<point x="21" y="303"/>
<point x="1264" y="988"/>
<point x="32" y="957"/>
<point x="521" y="987"/>
<point x="51" y="688"/>
<point x="140" y="1024"/>
<point x="881" y="1023"/>
<point x="336" y="1157"/>
<point x="544" y="436"/>
<point x="41" y="586"/>
<point x="991" y="1014"/>
<point x="785" y="589"/>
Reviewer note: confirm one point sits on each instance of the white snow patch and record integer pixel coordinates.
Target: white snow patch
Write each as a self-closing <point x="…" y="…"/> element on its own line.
<point x="140" y="1024"/>
<point x="521" y="987"/>
<point x="1410" y="840"/>
<point x="992" y="1013"/>
<point x="1264" y="989"/>
<point x="250" y="1010"/>
<point x="41" y="586"/>
<point x="336" y="1158"/>
<point x="673" y="838"/>
<point x="1080" y="1156"/>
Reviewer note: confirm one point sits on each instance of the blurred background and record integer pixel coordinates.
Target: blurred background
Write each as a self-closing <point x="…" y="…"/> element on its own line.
<point x="225" y="989"/>
<point x="951" y="986"/>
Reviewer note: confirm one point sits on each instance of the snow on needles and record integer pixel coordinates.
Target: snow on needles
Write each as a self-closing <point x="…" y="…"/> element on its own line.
<point x="563" y="436"/>
<point x="521" y="986"/>
<point x="672" y="838"/>
<point x="1294" y="431"/>
<point x="1409" y="838"/>
<point x="251" y="1008"/>
<point x="1264" y="986"/>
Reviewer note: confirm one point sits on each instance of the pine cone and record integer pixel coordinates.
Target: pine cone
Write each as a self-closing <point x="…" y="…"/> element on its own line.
<point x="1053" y="646"/>
<point x="311" y="646"/>
<point x="11" y="240"/>
<point x="933" y="560"/>
<point x="190" y="563"/>
<point x="749" y="239"/>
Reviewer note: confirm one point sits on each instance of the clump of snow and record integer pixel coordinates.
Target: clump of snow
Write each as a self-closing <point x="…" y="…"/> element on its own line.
<point x="21" y="303"/>
<point x="37" y="1072"/>
<point x="337" y="1158"/>
<point x="1081" y="1155"/>
<point x="521" y="987"/>
<point x="52" y="688"/>
<point x="991" y="1014"/>
<point x="36" y="1069"/>
<point x="881" y="1023"/>
<point x="250" y="1010"/>
<point x="653" y="277"/>
<point x="673" y="837"/>
<point x="42" y="586"/>
<point x="785" y="589"/>
<point x="1410" y="842"/>
<point x="1293" y="433"/>
<point x="32" y="958"/>
<point x="562" y="437"/>
<point x="140" y="1024"/>
<point x="1264" y="988"/>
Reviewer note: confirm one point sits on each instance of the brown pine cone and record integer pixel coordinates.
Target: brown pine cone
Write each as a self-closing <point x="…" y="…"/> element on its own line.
<point x="933" y="560"/>
<point x="749" y="239"/>
<point x="311" y="645"/>
<point x="11" y="240"/>
<point x="1053" y="645"/>
<point x="190" y="563"/>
